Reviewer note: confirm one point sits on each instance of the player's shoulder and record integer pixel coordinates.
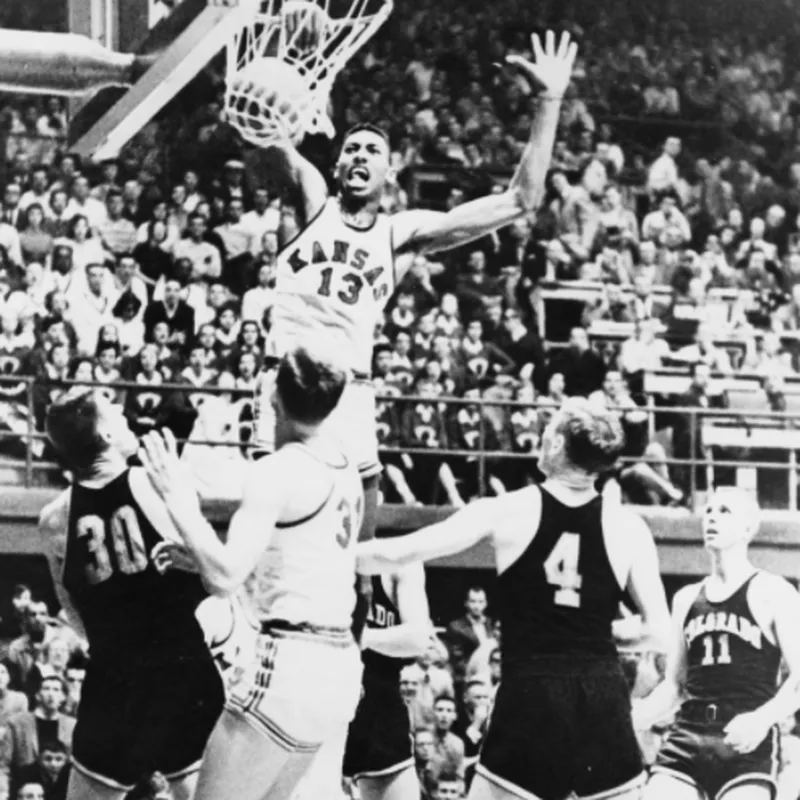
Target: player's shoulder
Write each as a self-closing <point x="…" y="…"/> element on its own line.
<point x="770" y="588"/>
<point x="54" y="515"/>
<point x="685" y="596"/>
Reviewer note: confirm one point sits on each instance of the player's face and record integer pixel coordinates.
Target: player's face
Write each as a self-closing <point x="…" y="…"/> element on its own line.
<point x="363" y="166"/>
<point x="113" y="426"/>
<point x="726" y="523"/>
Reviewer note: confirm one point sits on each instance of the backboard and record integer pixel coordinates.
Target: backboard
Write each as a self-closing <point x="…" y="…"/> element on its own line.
<point x="122" y="92"/>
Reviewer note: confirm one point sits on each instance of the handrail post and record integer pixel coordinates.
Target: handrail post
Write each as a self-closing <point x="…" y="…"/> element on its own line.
<point x="481" y="449"/>
<point x="693" y="457"/>
<point x="31" y="429"/>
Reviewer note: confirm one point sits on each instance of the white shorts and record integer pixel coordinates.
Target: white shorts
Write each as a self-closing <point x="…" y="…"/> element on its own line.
<point x="302" y="688"/>
<point x="352" y="422"/>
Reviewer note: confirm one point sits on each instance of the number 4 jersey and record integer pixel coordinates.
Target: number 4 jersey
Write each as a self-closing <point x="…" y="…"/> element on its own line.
<point x="561" y="595"/>
<point x="128" y="609"/>
<point x="730" y="660"/>
<point x="333" y="281"/>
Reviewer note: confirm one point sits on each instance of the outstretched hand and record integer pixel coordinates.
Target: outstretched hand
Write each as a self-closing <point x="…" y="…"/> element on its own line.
<point x="552" y="66"/>
<point x="159" y="457"/>
<point x="171" y="555"/>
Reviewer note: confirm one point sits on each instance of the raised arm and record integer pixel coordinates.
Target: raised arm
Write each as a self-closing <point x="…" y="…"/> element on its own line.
<point x="53" y="529"/>
<point x="223" y="567"/>
<point x="459" y="532"/>
<point x="282" y="161"/>
<point x="430" y="231"/>
<point x="415" y="634"/>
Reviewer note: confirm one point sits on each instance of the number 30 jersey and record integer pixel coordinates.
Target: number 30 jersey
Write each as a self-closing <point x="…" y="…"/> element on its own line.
<point x="729" y="660"/>
<point x="128" y="609"/>
<point x="306" y="575"/>
<point x="559" y="598"/>
<point x="333" y="282"/>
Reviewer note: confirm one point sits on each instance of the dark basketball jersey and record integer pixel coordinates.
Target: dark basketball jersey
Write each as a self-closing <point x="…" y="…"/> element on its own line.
<point x="127" y="607"/>
<point x="561" y="596"/>
<point x="382" y="614"/>
<point x="729" y="658"/>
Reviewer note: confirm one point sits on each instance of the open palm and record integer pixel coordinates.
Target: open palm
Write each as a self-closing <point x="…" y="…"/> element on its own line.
<point x="551" y="67"/>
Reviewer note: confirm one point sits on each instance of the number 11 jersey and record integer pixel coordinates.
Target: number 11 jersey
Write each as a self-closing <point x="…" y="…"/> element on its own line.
<point x="559" y="598"/>
<point x="333" y="281"/>
<point x="128" y="609"/>
<point x="730" y="660"/>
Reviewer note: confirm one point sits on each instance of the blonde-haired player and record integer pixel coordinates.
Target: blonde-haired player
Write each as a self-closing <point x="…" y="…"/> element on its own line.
<point x="731" y="632"/>
<point x="335" y="275"/>
<point x="298" y="522"/>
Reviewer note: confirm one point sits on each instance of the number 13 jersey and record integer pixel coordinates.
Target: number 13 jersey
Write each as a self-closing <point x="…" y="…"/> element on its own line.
<point x="730" y="660"/>
<point x="128" y="609"/>
<point x="559" y="598"/>
<point x="333" y="280"/>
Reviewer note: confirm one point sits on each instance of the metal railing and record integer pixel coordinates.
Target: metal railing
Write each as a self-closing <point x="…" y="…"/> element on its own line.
<point x="18" y="417"/>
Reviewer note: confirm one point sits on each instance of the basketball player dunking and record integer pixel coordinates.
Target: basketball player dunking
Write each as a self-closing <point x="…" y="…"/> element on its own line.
<point x="731" y="632"/>
<point x="335" y="276"/>
<point x="298" y="522"/>
<point x="565" y="556"/>
<point x="152" y="694"/>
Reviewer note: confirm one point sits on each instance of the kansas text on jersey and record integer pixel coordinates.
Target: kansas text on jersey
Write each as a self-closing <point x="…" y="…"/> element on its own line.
<point x="333" y="280"/>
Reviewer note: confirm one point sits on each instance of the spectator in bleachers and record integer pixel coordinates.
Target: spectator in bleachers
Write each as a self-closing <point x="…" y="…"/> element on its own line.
<point x="174" y="311"/>
<point x="610" y="306"/>
<point x="50" y="771"/>
<point x="583" y="369"/>
<point x="577" y="216"/>
<point x="85" y="248"/>
<point x="36" y="243"/>
<point x="466" y="634"/>
<point x="39" y="191"/>
<point x="448" y="749"/>
<point x="91" y="308"/>
<point x="129" y="324"/>
<point x="82" y="203"/>
<point x="117" y="233"/>
<point x="423" y="760"/>
<point x="74" y="676"/>
<point x="29" y="648"/>
<point x="147" y="408"/>
<point x="667" y="226"/>
<point x="153" y="259"/>
<point x="31" y="731"/>
<point x="12" y="702"/>
<point x="205" y="258"/>
<point x="687" y="439"/>
<point x="705" y="351"/>
<point x="473" y="722"/>
<point x="521" y="344"/>
<point x="57" y="217"/>
<point x="663" y="174"/>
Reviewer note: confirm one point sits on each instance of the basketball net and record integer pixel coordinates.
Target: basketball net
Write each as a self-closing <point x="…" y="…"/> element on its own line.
<point x="314" y="37"/>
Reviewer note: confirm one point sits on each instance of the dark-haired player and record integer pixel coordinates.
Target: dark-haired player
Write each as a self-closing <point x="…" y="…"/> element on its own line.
<point x="379" y="754"/>
<point x="152" y="694"/>
<point x="298" y="520"/>
<point x="731" y="632"/>
<point x="565" y="556"/>
<point x="335" y="276"/>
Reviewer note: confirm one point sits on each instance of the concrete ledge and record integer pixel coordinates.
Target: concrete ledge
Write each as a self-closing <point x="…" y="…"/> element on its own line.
<point x="677" y="532"/>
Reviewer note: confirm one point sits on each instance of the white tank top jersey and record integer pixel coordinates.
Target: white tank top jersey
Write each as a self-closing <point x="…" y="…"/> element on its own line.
<point x="333" y="281"/>
<point x="307" y="574"/>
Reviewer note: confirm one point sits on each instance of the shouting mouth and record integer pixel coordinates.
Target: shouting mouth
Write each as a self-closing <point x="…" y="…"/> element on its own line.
<point x="358" y="176"/>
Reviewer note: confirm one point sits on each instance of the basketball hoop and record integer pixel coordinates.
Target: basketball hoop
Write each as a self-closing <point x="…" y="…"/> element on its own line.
<point x="315" y="38"/>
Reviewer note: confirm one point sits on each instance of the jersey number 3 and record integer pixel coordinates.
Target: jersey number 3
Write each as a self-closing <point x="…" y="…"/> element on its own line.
<point x="561" y="570"/>
<point x="126" y="539"/>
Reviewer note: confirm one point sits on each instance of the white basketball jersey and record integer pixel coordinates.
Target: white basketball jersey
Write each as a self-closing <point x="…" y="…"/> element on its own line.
<point x="307" y="574"/>
<point x="333" y="281"/>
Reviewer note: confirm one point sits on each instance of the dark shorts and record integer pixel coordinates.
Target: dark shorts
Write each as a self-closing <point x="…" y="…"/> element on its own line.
<point x="379" y="741"/>
<point x="137" y="719"/>
<point x="697" y="754"/>
<point x="552" y="734"/>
